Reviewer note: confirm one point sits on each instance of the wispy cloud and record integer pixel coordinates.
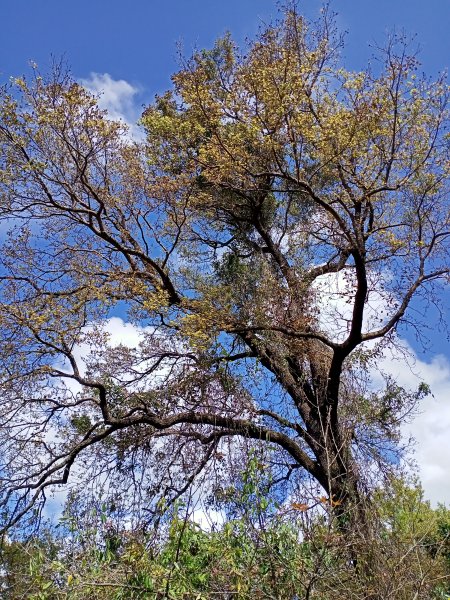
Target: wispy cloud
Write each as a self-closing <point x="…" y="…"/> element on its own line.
<point x="118" y="97"/>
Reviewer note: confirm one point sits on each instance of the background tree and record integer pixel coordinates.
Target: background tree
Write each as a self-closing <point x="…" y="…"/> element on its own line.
<point x="276" y="199"/>
<point x="292" y="553"/>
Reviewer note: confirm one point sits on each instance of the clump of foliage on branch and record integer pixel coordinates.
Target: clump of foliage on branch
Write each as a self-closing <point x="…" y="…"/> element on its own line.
<point x="265" y="241"/>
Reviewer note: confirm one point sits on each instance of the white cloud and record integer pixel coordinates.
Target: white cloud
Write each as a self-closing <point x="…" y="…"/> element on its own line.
<point x="335" y="294"/>
<point x="118" y="97"/>
<point x="430" y="428"/>
<point x="118" y="331"/>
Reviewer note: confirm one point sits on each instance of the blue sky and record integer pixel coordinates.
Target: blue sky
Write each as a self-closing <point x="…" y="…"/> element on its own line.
<point x="136" y="40"/>
<point x="135" y="43"/>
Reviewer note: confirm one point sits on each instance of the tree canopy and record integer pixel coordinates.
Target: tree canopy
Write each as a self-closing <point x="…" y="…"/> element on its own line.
<point x="266" y="238"/>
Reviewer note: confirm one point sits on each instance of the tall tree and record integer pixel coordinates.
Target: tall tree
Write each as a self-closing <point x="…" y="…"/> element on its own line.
<point x="275" y="199"/>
